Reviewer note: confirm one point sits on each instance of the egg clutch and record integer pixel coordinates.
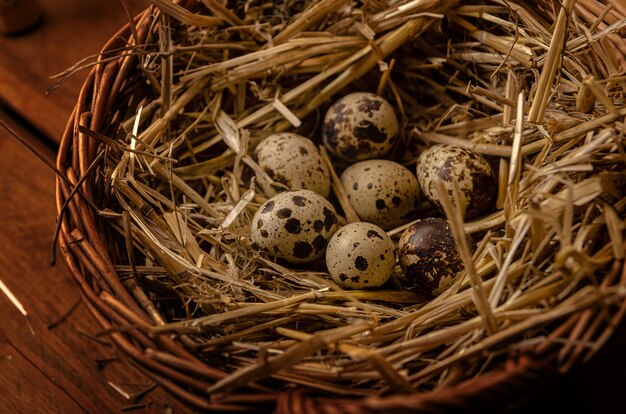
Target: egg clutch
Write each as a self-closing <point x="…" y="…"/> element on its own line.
<point x="300" y="224"/>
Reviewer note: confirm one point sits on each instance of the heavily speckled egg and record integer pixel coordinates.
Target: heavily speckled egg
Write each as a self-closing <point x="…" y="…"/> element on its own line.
<point x="382" y="192"/>
<point x="360" y="126"/>
<point x="471" y="172"/>
<point x="294" y="225"/>
<point x="360" y="255"/>
<point x="294" y="161"/>
<point x="429" y="256"/>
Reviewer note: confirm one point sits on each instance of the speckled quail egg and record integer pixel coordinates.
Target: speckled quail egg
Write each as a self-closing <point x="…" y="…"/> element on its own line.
<point x="360" y="255"/>
<point x="429" y="256"/>
<point x="382" y="192"/>
<point x="294" y="225"/>
<point x="295" y="161"/>
<point x="360" y="126"/>
<point x="471" y="173"/>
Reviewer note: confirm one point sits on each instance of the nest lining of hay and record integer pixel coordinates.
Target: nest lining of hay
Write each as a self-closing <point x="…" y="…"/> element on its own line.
<point x="538" y="89"/>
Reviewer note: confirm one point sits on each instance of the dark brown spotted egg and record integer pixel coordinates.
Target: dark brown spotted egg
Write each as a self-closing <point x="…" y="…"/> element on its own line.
<point x="360" y="126"/>
<point x="360" y="255"/>
<point x="294" y="225"/>
<point x="429" y="256"/>
<point x="382" y="192"/>
<point x="295" y="161"/>
<point x="471" y="173"/>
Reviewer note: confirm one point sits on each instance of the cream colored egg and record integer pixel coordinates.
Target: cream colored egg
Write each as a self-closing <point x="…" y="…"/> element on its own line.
<point x="360" y="126"/>
<point x="294" y="161"/>
<point x="294" y="225"/>
<point x="382" y="192"/>
<point x="360" y="255"/>
<point x="450" y="164"/>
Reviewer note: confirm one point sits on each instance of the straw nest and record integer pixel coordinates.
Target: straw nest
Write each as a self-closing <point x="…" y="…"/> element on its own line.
<point x="536" y="87"/>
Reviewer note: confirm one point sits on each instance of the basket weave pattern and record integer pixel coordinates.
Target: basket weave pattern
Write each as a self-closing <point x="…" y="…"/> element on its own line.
<point x="122" y="308"/>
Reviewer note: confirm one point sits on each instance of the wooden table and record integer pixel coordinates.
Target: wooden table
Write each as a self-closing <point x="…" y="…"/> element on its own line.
<point x="62" y="366"/>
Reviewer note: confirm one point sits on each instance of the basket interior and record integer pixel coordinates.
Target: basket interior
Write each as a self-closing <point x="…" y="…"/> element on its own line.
<point x="164" y="134"/>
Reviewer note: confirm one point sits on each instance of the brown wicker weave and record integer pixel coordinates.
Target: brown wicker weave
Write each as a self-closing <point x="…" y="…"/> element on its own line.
<point x="118" y="307"/>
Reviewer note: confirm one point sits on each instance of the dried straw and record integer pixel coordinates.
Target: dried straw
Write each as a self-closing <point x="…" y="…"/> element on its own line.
<point x="537" y="90"/>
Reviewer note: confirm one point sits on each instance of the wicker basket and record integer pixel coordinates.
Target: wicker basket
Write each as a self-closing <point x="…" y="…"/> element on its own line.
<point x="90" y="252"/>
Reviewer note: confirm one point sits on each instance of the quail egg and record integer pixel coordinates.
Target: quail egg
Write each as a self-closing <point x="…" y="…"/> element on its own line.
<point x="471" y="173"/>
<point x="429" y="256"/>
<point x="360" y="126"/>
<point x="360" y="255"/>
<point x="382" y="192"/>
<point x="294" y="161"/>
<point x="294" y="225"/>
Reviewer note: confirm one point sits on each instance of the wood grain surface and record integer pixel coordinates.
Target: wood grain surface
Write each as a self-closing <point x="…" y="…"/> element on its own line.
<point x="70" y="31"/>
<point x="57" y="369"/>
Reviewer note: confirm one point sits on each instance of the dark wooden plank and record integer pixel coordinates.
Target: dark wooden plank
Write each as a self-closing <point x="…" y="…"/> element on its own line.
<point x="63" y="362"/>
<point x="30" y="384"/>
<point x="17" y="379"/>
<point x="70" y="31"/>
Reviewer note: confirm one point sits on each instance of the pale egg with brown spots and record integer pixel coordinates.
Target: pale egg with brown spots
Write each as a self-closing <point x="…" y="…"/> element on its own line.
<point x="360" y="255"/>
<point x="451" y="164"/>
<point x="294" y="225"/>
<point x="429" y="257"/>
<point x="382" y="192"/>
<point x="294" y="161"/>
<point x="360" y="126"/>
